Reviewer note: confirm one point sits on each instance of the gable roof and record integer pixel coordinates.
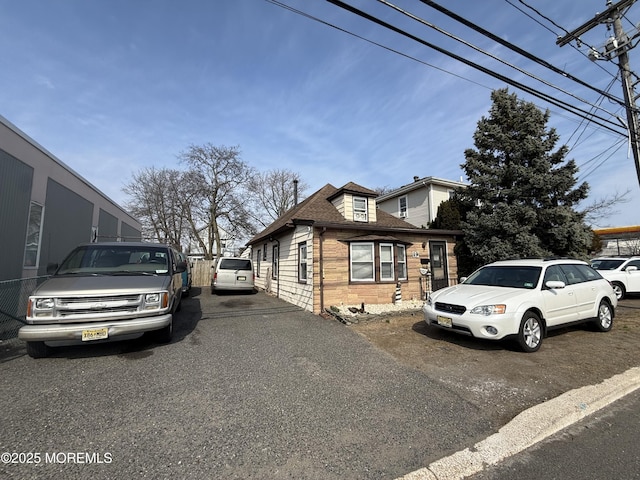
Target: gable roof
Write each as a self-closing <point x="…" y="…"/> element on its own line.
<point x="317" y="210"/>
<point x="421" y="183"/>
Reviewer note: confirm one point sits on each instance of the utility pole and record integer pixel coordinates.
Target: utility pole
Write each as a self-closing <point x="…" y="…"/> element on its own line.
<point x="616" y="47"/>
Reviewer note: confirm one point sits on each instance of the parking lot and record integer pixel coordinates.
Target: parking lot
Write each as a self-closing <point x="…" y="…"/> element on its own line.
<point x="252" y="387"/>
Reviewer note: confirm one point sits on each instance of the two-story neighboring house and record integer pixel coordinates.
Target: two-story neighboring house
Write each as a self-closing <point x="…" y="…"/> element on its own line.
<point x="417" y="203"/>
<point x="337" y="248"/>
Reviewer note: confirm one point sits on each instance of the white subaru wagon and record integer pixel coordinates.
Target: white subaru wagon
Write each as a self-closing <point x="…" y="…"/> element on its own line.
<point x="523" y="299"/>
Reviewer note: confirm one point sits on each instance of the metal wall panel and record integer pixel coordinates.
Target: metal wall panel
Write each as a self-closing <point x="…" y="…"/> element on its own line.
<point x="68" y="220"/>
<point x="107" y="227"/>
<point x="15" y="197"/>
<point x="129" y="233"/>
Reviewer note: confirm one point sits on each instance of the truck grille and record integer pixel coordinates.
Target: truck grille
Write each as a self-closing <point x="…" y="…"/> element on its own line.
<point x="67" y="306"/>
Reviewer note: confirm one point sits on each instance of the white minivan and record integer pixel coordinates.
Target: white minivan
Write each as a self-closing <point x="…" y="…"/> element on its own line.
<point x="233" y="274"/>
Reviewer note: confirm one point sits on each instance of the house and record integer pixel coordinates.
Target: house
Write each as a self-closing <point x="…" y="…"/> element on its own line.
<point x="337" y="248"/>
<point x="418" y="202"/>
<point x="46" y="209"/>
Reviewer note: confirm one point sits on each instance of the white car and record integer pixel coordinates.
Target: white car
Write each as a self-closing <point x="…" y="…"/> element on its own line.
<point x="523" y="299"/>
<point x="622" y="272"/>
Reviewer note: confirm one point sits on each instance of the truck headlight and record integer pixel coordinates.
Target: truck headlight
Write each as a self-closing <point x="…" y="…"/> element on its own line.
<point x="40" y="307"/>
<point x="44" y="303"/>
<point x="156" y="300"/>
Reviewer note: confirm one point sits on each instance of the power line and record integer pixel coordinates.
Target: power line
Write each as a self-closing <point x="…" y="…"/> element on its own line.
<point x="392" y="50"/>
<point x="562" y="105"/>
<point x="319" y="20"/>
<point x="484" y="52"/>
<point x="516" y="49"/>
<point x="547" y="98"/>
<point x="555" y="34"/>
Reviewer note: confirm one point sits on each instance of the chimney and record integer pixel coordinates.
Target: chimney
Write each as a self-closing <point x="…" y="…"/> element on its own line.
<point x="295" y="192"/>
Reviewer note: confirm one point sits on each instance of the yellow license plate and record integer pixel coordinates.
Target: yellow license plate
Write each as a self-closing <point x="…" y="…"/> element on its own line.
<point x="445" y="321"/>
<point x="95" y="334"/>
<point x="241" y="279"/>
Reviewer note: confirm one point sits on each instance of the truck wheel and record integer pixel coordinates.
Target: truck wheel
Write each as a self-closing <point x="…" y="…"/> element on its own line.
<point x="165" y="334"/>
<point x="38" y="349"/>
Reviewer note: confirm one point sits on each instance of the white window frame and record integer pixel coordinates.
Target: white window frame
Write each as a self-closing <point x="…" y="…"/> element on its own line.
<point x="403" y="212"/>
<point x="402" y="261"/>
<point x="33" y="235"/>
<point x="360" y="214"/>
<point x="275" y="261"/>
<point x="389" y="248"/>
<point x="302" y="262"/>
<point x="370" y="261"/>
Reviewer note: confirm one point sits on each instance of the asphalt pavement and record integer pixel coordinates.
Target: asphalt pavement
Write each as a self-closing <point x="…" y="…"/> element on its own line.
<point x="252" y="387"/>
<point x="603" y="445"/>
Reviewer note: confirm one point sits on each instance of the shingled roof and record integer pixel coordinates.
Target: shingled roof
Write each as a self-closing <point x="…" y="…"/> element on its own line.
<point x="317" y="210"/>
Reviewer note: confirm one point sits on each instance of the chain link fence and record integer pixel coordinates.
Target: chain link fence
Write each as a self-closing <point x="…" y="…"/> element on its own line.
<point x="14" y="295"/>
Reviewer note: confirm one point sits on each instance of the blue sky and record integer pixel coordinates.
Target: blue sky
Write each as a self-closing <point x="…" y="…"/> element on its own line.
<point x="111" y="87"/>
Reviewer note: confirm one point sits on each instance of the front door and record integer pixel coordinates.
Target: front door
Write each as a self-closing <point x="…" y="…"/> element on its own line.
<point x="438" y="266"/>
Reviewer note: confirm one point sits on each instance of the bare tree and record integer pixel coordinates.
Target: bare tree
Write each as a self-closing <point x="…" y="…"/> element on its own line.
<point x="155" y="201"/>
<point x="273" y="193"/>
<point x="604" y="207"/>
<point x="218" y="181"/>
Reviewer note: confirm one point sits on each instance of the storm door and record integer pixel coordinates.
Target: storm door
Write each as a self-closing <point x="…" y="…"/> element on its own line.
<point x="438" y="265"/>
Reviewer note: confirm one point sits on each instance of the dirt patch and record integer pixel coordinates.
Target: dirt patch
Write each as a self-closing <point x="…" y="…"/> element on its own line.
<point x="497" y="375"/>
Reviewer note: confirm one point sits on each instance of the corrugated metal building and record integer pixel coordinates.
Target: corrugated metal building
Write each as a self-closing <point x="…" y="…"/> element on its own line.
<point x="46" y="208"/>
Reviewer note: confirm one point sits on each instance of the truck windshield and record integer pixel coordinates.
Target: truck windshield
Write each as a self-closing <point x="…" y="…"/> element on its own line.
<point x="109" y="260"/>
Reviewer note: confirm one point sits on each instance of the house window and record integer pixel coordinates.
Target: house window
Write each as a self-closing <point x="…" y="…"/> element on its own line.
<point x="386" y="262"/>
<point x="402" y="262"/>
<point x="302" y="262"/>
<point x="258" y="255"/>
<point x="402" y="206"/>
<point x="274" y="262"/>
<point x="34" y="233"/>
<point x="264" y="252"/>
<point x="362" y="258"/>
<point x="360" y="209"/>
<point x="377" y="262"/>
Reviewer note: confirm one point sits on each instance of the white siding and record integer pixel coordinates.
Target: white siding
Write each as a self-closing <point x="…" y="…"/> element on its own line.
<point x="286" y="286"/>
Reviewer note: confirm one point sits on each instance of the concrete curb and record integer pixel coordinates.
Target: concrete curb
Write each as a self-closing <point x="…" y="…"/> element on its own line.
<point x="530" y="427"/>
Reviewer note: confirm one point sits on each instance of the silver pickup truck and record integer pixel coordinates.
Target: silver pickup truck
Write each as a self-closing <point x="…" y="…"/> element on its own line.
<point x="102" y="292"/>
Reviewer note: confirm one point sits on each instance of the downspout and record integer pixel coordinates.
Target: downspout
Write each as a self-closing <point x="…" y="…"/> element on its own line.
<point x="278" y="277"/>
<point x="278" y="264"/>
<point x="321" y="268"/>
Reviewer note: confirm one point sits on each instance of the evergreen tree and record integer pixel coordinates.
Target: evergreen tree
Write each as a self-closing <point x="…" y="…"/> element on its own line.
<point x="524" y="191"/>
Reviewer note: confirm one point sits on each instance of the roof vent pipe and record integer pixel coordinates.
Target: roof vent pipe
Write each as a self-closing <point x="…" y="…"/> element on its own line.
<point x="295" y="192"/>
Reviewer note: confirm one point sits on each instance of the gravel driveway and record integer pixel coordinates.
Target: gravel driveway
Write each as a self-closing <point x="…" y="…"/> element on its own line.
<point x="250" y="387"/>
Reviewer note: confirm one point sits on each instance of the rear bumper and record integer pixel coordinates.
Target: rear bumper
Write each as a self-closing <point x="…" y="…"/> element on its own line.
<point x="73" y="331"/>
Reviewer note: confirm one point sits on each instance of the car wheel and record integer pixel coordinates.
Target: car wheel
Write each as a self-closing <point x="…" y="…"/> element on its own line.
<point x="38" y="349"/>
<point x="604" y="321"/>
<point x="619" y="290"/>
<point x="530" y="333"/>
<point x="165" y="334"/>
